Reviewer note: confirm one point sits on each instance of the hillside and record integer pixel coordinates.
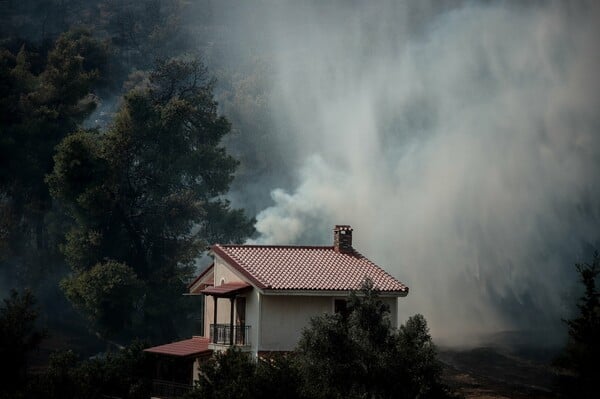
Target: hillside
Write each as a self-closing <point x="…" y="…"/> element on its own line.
<point x="495" y="372"/>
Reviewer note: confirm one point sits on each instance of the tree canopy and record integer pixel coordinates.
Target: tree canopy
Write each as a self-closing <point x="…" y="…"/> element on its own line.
<point x="42" y="100"/>
<point x="361" y="355"/>
<point x="146" y="200"/>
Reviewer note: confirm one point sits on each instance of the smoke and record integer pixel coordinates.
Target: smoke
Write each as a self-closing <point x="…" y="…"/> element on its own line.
<point x="460" y="141"/>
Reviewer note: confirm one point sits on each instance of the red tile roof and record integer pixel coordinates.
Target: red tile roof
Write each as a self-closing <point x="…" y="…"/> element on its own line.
<point x="187" y="347"/>
<point x="306" y="268"/>
<point x="225" y="289"/>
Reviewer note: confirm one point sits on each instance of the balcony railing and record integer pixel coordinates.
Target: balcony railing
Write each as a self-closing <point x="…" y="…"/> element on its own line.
<point x="221" y="334"/>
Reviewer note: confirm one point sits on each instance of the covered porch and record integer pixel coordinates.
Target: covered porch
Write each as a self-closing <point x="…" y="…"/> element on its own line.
<point x="176" y="366"/>
<point x="235" y="332"/>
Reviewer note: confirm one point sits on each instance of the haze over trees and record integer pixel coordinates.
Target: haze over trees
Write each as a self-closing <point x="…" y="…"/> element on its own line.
<point x="47" y="91"/>
<point x="116" y="163"/>
<point x="120" y="205"/>
<point x="113" y="174"/>
<point x="145" y="200"/>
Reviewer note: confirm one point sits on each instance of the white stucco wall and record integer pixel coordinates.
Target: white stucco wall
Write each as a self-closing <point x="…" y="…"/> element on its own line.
<point x="225" y="273"/>
<point x="284" y="317"/>
<point x="393" y="304"/>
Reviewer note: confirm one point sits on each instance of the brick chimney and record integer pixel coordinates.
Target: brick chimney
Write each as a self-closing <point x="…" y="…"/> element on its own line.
<point x="342" y="239"/>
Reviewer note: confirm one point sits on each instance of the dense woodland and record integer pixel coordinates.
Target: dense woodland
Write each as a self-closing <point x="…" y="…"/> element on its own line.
<point x="118" y="146"/>
<point x="113" y="166"/>
<point x="113" y="171"/>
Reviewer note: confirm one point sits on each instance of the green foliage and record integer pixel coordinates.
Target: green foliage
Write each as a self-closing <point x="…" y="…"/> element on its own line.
<point x="226" y="375"/>
<point x="581" y="354"/>
<point x="108" y="293"/>
<point x="146" y="194"/>
<point x="123" y="374"/>
<point x="417" y="361"/>
<point x="19" y="336"/>
<point x="43" y="98"/>
<point x="278" y="377"/>
<point x="235" y="375"/>
<point x="60" y="379"/>
<point x="327" y="358"/>
<point x="39" y="109"/>
<point x="361" y="355"/>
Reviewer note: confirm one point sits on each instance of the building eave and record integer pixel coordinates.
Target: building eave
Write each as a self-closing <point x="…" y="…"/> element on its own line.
<point x="330" y="293"/>
<point x="192" y="286"/>
<point x="217" y="250"/>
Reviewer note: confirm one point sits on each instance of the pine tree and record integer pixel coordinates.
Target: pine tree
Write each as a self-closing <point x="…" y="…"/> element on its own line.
<point x="581" y="354"/>
<point x="147" y="196"/>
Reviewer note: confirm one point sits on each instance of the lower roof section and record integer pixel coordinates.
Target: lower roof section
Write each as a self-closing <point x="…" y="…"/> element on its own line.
<point x="188" y="347"/>
<point x="226" y="290"/>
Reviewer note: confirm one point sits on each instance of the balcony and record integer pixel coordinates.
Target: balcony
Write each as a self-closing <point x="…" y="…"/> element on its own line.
<point x="222" y="335"/>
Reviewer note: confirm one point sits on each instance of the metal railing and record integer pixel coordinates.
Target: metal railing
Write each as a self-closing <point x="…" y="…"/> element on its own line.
<point x="221" y="334"/>
<point x="169" y="389"/>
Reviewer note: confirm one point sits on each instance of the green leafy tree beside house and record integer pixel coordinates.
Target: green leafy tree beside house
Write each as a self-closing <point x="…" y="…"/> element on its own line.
<point x="145" y="198"/>
<point x="358" y="354"/>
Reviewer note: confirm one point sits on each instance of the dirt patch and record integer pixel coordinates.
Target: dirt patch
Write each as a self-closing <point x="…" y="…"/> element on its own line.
<point x="493" y="373"/>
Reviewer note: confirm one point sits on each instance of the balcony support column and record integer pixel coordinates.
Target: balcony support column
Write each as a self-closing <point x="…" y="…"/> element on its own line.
<point x="231" y="300"/>
<point x="216" y="300"/>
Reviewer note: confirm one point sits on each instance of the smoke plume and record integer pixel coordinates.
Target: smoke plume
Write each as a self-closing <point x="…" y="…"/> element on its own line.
<point x="459" y="140"/>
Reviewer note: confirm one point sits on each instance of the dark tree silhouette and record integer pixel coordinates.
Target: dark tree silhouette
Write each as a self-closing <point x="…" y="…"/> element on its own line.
<point x="581" y="354"/>
<point x="19" y="336"/>
<point x="145" y="198"/>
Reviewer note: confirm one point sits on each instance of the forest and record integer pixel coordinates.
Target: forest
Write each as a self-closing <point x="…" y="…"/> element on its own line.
<point x="113" y="173"/>
<point x="135" y="134"/>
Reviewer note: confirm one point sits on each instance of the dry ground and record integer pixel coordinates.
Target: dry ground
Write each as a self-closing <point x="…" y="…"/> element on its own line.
<point x="493" y="373"/>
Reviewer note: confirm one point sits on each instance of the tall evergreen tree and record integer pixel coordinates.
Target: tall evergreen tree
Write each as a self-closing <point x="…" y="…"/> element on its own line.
<point x="581" y="354"/>
<point x="44" y="96"/>
<point x="146" y="199"/>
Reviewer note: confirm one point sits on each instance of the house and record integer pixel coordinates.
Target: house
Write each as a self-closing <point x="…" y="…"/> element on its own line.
<point x="260" y="297"/>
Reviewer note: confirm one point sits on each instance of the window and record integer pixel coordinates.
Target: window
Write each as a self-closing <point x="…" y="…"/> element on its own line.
<point x="341" y="306"/>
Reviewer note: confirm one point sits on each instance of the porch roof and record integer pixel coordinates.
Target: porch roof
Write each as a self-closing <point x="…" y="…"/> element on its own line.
<point x="187" y="347"/>
<point x="226" y="290"/>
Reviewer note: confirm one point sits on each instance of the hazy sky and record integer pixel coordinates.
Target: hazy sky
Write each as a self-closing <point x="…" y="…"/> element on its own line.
<point x="459" y="139"/>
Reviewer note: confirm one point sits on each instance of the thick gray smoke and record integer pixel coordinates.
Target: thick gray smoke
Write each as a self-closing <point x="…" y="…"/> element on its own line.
<point x="461" y="142"/>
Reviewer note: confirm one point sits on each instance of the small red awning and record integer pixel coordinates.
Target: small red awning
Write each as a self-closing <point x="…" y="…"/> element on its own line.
<point x="187" y="347"/>
<point x="226" y="290"/>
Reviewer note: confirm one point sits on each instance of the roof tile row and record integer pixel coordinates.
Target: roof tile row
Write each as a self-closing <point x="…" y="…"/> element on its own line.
<point x="306" y="268"/>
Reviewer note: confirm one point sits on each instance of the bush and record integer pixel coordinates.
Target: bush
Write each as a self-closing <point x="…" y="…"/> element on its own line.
<point x="362" y="355"/>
